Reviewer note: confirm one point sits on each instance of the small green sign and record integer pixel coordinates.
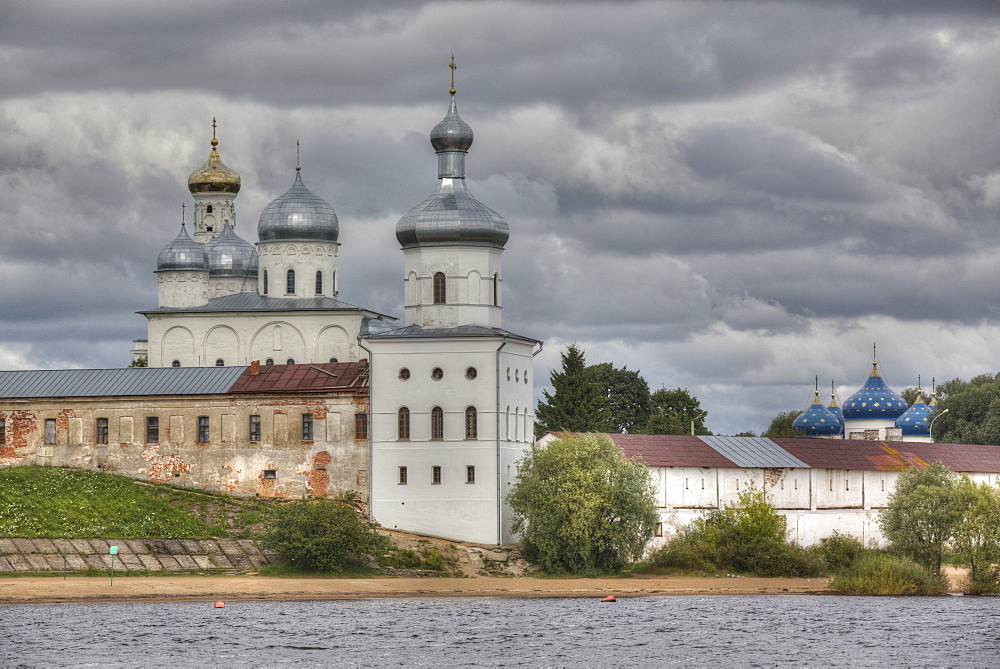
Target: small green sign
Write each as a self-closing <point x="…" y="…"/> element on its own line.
<point x="114" y="550"/>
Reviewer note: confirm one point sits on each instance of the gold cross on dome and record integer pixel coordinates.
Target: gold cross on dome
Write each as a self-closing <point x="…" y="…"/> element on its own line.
<point x="453" y="68"/>
<point x="213" y="127"/>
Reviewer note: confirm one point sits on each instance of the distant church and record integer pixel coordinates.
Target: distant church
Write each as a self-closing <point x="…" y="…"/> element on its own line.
<point x="874" y="413"/>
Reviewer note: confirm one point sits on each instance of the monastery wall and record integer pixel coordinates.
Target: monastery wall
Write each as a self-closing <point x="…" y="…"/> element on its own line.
<point x="247" y="445"/>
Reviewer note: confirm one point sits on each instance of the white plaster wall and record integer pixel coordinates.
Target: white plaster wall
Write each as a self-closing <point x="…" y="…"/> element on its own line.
<point x="452" y="509"/>
<point x="469" y="272"/>
<point x="182" y="288"/>
<point x="306" y="258"/>
<point x="304" y="336"/>
<point x="223" y="211"/>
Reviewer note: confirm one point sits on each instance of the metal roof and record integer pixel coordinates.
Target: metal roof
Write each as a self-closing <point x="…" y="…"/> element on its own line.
<point x="129" y="381"/>
<point x="253" y="301"/>
<point x="658" y="450"/>
<point x="327" y="377"/>
<point x="753" y="452"/>
<point x="416" y="331"/>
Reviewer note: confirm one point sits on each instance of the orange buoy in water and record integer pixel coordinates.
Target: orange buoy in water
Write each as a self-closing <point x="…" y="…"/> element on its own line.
<point x="609" y="598"/>
<point x="220" y="605"/>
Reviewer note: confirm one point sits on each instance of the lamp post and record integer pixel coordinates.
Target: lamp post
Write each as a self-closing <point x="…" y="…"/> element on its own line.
<point x="930" y="430"/>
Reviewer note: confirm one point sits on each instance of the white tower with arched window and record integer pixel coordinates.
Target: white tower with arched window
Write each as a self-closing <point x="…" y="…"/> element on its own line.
<point x="451" y="392"/>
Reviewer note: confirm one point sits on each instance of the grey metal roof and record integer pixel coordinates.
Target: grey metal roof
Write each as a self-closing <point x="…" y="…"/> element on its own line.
<point x="754" y="452"/>
<point x="183" y="253"/>
<point x="254" y="301"/>
<point x="298" y="215"/>
<point x="452" y="133"/>
<point x="230" y="255"/>
<point x="126" y="382"/>
<point x="416" y="331"/>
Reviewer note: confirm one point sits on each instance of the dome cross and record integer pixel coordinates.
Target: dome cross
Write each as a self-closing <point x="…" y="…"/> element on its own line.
<point x="453" y="68"/>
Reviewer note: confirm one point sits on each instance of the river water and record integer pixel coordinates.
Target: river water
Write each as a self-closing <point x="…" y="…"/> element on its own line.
<point x="650" y="631"/>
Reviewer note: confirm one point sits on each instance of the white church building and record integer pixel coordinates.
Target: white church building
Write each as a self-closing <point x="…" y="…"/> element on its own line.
<point x="451" y="401"/>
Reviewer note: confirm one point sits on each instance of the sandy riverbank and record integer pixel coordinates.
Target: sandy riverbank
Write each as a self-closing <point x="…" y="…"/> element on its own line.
<point x="234" y="588"/>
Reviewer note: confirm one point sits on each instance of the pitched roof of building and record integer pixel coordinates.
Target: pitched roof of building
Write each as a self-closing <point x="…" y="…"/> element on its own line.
<point x="253" y="301"/>
<point x="781" y="452"/>
<point x="416" y="331"/>
<point x="150" y="381"/>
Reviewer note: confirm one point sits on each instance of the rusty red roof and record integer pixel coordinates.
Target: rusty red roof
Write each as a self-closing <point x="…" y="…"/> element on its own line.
<point x="318" y="378"/>
<point x="660" y="450"/>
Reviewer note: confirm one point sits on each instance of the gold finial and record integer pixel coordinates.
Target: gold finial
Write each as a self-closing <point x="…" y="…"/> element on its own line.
<point x="453" y="68"/>
<point x="298" y="157"/>
<point x="215" y="142"/>
<point x="833" y="390"/>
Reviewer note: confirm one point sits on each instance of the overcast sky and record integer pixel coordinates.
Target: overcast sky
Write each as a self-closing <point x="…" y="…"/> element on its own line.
<point x="729" y="197"/>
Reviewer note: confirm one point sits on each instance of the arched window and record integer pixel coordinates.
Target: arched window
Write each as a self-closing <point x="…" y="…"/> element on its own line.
<point x="290" y="282"/>
<point x="496" y="290"/>
<point x="403" y="420"/>
<point x="265" y="283"/>
<point x="440" y="289"/>
<point x="333" y="282"/>
<point x="437" y="423"/>
<point x="175" y="363"/>
<point x="208" y="209"/>
<point x="507" y="424"/>
<point x="290" y="361"/>
<point x="319" y="282"/>
<point x="219" y="362"/>
<point x="269" y="361"/>
<point x="471" y="429"/>
<point x="332" y="360"/>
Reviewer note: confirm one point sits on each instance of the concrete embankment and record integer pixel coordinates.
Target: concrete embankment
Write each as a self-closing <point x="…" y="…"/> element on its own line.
<point x="226" y="556"/>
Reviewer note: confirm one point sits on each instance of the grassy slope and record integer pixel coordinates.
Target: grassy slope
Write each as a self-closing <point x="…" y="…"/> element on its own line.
<point x="54" y="502"/>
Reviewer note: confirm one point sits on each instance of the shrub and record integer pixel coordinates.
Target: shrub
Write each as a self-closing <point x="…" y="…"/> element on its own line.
<point x="322" y="535"/>
<point x="839" y="552"/>
<point x="982" y="582"/>
<point x="881" y="574"/>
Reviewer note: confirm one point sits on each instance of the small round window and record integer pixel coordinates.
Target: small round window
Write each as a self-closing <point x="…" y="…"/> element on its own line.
<point x="290" y="361"/>
<point x="437" y="374"/>
<point x="471" y="373"/>
<point x="333" y="360"/>
<point x="269" y="361"/>
<point x="404" y="374"/>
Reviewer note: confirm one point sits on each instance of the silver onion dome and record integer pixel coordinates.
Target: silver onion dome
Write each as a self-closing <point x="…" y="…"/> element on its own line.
<point x="298" y="215"/>
<point x="183" y="253"/>
<point x="452" y="215"/>
<point x="230" y="255"/>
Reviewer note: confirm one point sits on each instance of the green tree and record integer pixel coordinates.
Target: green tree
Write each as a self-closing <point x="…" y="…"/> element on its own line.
<point x="625" y="396"/>
<point x="142" y="361"/>
<point x="581" y="507"/>
<point x="922" y="515"/>
<point x="323" y="535"/>
<point x="672" y="412"/>
<point x="575" y="404"/>
<point x="977" y="534"/>
<point x="973" y="412"/>
<point x="781" y="425"/>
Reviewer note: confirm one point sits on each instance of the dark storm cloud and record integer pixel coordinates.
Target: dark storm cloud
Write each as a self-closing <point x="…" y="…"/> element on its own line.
<point x="728" y="196"/>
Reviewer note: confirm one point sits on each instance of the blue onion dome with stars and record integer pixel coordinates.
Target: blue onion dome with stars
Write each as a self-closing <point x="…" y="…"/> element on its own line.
<point x="183" y="253"/>
<point x="229" y="255"/>
<point x="914" y="421"/>
<point x="874" y="400"/>
<point x="816" y="421"/>
<point x="833" y="407"/>
<point x="451" y="215"/>
<point x="299" y="216"/>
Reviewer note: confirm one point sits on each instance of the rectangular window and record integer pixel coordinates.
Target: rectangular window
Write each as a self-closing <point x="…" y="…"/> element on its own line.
<point x="436" y="475"/>
<point x="360" y="426"/>
<point x="3" y="431"/>
<point x="307" y="427"/>
<point x="659" y="530"/>
<point x="50" y="431"/>
<point x="437" y="423"/>
<point x="152" y="429"/>
<point x="402" y="476"/>
<point x="203" y="434"/>
<point x="270" y="473"/>
<point x="470" y="474"/>
<point x="102" y="430"/>
<point x="255" y="428"/>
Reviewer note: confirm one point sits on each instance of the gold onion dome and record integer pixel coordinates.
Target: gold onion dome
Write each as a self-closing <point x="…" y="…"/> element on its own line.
<point x="214" y="176"/>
